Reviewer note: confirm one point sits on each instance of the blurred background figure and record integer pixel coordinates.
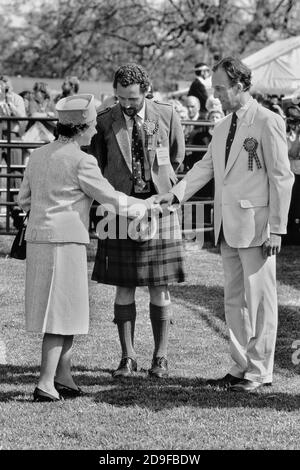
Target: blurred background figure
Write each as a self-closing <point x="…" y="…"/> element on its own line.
<point x="194" y="135"/>
<point x="214" y="104"/>
<point x="193" y="110"/>
<point x="275" y="105"/>
<point x="180" y="108"/>
<point x="214" y="112"/>
<point x="201" y="136"/>
<point x="150" y="94"/>
<point x="41" y="105"/>
<point x="293" y="139"/>
<point x="26" y="95"/>
<point x="259" y="97"/>
<point x="69" y="87"/>
<point x="11" y="104"/>
<point x="153" y="94"/>
<point x="108" y="102"/>
<point x="201" y="86"/>
<point x="193" y="107"/>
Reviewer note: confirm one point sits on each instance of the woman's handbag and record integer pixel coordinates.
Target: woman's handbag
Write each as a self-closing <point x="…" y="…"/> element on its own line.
<point x="18" y="248"/>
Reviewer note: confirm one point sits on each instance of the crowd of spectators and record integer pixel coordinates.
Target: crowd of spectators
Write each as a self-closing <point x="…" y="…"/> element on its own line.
<point x="36" y="103"/>
<point x="197" y="108"/>
<point x="198" y="104"/>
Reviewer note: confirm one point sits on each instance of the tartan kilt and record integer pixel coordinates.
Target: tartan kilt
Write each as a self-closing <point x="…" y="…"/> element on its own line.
<point x="125" y="262"/>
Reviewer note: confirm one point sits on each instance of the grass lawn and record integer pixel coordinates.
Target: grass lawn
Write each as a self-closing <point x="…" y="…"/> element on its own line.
<point x="141" y="413"/>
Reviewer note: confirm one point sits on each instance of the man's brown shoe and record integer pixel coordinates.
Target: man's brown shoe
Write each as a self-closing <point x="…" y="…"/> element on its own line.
<point x="224" y="382"/>
<point x="126" y="368"/>
<point x="159" y="368"/>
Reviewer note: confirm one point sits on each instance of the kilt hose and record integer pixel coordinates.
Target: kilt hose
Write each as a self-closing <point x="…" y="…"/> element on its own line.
<point x="125" y="262"/>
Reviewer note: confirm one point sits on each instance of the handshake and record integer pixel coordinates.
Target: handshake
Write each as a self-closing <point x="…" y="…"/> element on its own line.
<point x="154" y="205"/>
<point x="146" y="225"/>
<point x="161" y="204"/>
<point x="144" y="216"/>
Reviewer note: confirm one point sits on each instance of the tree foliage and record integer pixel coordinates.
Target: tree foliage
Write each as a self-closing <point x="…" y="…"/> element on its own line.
<point x="90" y="38"/>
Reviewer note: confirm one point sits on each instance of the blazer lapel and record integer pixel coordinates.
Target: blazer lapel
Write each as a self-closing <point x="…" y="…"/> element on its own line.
<point x="120" y="130"/>
<point x="241" y="134"/>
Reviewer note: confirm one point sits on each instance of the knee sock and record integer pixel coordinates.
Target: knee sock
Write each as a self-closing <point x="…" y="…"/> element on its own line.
<point x="125" y="319"/>
<point x="160" y="320"/>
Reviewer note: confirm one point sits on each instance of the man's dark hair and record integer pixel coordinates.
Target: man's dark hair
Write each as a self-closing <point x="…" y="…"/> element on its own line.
<point x="132" y="74"/>
<point x="236" y="71"/>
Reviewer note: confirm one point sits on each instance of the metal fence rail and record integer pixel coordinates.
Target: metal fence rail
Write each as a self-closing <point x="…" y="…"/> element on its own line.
<point x="10" y="172"/>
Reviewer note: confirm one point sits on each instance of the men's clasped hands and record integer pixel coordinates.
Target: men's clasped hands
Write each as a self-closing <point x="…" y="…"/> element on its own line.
<point x="163" y="204"/>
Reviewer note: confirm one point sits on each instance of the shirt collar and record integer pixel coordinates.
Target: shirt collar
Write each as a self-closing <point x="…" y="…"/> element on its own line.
<point x="240" y="112"/>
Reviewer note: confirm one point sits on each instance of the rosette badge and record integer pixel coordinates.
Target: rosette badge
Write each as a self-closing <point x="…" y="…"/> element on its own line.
<point x="250" y="145"/>
<point x="150" y="128"/>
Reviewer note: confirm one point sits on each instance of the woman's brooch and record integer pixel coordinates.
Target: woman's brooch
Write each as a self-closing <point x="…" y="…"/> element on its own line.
<point x="250" y="145"/>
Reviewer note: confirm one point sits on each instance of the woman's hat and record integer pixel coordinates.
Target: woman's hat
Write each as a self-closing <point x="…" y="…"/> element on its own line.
<point x="76" y="109"/>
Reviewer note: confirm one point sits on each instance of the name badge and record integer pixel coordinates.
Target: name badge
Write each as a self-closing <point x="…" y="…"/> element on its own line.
<point x="162" y="154"/>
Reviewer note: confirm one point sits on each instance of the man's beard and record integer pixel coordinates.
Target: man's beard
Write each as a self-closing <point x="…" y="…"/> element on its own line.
<point x="129" y="111"/>
<point x="132" y="111"/>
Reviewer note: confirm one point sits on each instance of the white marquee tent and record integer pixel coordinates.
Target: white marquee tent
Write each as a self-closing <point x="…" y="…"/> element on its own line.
<point x="276" y="68"/>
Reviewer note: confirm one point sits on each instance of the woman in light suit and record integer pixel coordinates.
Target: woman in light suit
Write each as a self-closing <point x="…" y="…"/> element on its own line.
<point x="59" y="185"/>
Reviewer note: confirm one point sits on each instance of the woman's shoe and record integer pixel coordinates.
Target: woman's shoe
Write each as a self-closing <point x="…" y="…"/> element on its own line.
<point x="68" y="392"/>
<point x="40" y="395"/>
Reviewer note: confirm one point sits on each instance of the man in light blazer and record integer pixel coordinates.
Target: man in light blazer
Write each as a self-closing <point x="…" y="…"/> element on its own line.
<point x="252" y="197"/>
<point x="139" y="144"/>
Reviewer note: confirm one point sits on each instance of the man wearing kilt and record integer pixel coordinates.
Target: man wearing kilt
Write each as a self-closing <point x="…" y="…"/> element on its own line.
<point x="139" y="143"/>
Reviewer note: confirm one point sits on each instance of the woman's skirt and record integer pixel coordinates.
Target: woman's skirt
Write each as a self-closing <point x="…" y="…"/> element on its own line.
<point x="155" y="262"/>
<point x="56" y="288"/>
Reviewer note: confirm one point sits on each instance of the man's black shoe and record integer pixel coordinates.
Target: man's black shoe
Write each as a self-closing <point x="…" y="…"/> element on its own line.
<point x="126" y="368"/>
<point x="224" y="382"/>
<point x="245" y="385"/>
<point x="159" y="368"/>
